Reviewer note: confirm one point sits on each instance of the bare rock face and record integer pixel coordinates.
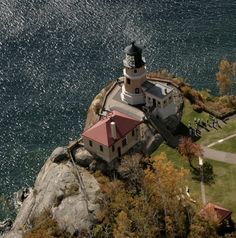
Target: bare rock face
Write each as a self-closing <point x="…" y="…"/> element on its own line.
<point x="65" y="190"/>
<point x="13" y="234"/>
<point x="5" y="225"/>
<point x="59" y="154"/>
<point x="96" y="105"/>
<point x="82" y="157"/>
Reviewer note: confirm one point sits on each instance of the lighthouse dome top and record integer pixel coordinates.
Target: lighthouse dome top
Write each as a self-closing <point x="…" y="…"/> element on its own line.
<point x="133" y="49"/>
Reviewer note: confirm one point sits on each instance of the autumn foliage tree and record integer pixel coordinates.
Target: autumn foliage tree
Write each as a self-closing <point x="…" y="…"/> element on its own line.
<point x="226" y="76"/>
<point x="159" y="208"/>
<point x="189" y="150"/>
<point x="131" y="170"/>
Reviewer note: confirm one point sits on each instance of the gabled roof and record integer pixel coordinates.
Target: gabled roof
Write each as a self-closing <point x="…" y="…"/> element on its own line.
<point x="211" y="211"/>
<point x="101" y="131"/>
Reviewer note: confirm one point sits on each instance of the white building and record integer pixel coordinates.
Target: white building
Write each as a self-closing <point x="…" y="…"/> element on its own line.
<point x="137" y="90"/>
<point x="159" y="97"/>
<point x="135" y="76"/>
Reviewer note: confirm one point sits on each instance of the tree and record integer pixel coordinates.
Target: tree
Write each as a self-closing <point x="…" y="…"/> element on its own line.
<point x="207" y="170"/>
<point x="163" y="190"/>
<point x="159" y="209"/>
<point x="131" y="170"/>
<point x="189" y="150"/>
<point x="223" y="82"/>
<point x="202" y="228"/>
<point x="123" y="226"/>
<point x="225" y="76"/>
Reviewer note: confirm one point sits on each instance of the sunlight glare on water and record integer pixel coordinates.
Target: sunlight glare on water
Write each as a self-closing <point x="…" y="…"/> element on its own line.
<point x="57" y="54"/>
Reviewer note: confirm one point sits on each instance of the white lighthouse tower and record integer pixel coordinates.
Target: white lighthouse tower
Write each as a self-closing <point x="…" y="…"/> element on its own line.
<point x="135" y="75"/>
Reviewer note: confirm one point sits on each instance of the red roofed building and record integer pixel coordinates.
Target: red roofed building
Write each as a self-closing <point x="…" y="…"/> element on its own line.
<point x="214" y="212"/>
<point x="112" y="136"/>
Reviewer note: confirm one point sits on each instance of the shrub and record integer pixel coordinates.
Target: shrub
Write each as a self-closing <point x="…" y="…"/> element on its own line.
<point x="206" y="174"/>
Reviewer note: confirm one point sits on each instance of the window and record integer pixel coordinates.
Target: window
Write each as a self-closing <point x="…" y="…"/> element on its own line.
<point x="101" y="148"/>
<point x="133" y="132"/>
<point x="113" y="148"/>
<point x="128" y="81"/>
<point x="137" y="90"/>
<point x="154" y="102"/>
<point x="170" y="98"/>
<point x="124" y="142"/>
<point x="165" y="102"/>
<point x="130" y="60"/>
<point x="90" y="143"/>
<point x="135" y="71"/>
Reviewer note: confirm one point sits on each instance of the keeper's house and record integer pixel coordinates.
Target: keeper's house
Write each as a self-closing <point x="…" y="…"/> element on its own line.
<point x="112" y="136"/>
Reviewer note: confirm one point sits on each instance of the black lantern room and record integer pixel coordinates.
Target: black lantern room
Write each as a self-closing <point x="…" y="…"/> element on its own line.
<point x="133" y="58"/>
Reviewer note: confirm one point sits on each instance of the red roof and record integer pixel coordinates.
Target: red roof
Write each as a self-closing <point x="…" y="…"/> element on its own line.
<point x="211" y="211"/>
<point x="101" y="131"/>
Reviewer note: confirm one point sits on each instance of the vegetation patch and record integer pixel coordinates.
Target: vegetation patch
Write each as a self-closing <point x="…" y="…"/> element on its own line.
<point x="221" y="192"/>
<point x="225" y="128"/>
<point x="158" y="208"/>
<point x="218" y="106"/>
<point x="190" y="114"/>
<point x="45" y="227"/>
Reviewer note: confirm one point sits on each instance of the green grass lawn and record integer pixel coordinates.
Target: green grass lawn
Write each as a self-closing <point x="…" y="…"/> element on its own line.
<point x="222" y="192"/>
<point x="228" y="145"/>
<point x="189" y="114"/>
<point x="213" y="135"/>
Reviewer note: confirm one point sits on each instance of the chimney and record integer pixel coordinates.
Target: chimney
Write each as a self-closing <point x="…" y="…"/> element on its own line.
<point x="113" y="130"/>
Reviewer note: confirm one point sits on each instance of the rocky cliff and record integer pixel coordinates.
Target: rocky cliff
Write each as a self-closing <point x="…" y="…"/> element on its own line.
<point x="58" y="192"/>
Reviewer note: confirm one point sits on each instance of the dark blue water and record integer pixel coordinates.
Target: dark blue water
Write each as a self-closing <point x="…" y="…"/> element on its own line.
<point x="57" y="54"/>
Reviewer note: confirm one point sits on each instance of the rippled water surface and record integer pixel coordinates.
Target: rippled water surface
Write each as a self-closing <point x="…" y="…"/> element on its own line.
<point x="57" y="54"/>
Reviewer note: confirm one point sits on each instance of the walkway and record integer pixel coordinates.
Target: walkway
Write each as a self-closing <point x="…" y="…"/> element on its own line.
<point x="114" y="102"/>
<point x="222" y="140"/>
<point x="217" y="155"/>
<point x="222" y="156"/>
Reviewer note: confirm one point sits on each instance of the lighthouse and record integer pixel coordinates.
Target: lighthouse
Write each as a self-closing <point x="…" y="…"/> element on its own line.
<point x="135" y="75"/>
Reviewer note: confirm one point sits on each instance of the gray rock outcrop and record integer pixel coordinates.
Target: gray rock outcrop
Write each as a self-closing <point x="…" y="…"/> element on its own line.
<point x="5" y="225"/>
<point x="58" y="190"/>
<point x="82" y="157"/>
<point x="59" y="154"/>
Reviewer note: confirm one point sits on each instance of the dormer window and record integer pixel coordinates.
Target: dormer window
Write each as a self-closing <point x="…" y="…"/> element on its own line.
<point x="137" y="90"/>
